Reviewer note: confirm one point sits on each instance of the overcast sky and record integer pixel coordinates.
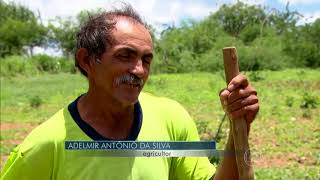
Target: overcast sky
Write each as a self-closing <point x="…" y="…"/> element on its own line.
<point x="160" y="12"/>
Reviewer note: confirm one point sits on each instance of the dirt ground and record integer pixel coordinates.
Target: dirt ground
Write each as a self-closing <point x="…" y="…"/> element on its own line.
<point x="19" y="132"/>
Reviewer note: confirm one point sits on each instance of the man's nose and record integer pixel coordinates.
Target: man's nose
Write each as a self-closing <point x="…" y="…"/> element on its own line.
<point x="137" y="68"/>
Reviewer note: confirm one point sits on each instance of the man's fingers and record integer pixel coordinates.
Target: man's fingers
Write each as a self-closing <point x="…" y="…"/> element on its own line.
<point x="251" y="99"/>
<point x="238" y="81"/>
<point x="250" y="110"/>
<point x="241" y="93"/>
<point x="224" y="94"/>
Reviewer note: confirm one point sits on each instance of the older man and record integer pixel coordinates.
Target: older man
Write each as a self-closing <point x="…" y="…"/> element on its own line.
<point x="114" y="52"/>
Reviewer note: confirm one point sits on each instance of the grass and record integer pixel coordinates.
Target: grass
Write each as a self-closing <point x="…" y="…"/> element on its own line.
<point x="284" y="136"/>
<point x="55" y="91"/>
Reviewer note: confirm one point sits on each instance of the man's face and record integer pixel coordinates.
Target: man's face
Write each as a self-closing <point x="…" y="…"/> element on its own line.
<point x="129" y="56"/>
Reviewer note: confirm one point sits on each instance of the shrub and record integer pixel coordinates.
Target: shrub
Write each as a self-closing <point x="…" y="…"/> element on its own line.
<point x="289" y="101"/>
<point x="14" y="65"/>
<point x="35" y="101"/>
<point x="67" y="65"/>
<point x="21" y="65"/>
<point x="265" y="53"/>
<point x="250" y="33"/>
<point x="256" y="76"/>
<point x="307" y="114"/>
<point x="211" y="61"/>
<point x="46" y="63"/>
<point x="309" y="101"/>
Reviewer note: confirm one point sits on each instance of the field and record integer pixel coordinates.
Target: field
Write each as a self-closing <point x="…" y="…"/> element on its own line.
<point x="284" y="139"/>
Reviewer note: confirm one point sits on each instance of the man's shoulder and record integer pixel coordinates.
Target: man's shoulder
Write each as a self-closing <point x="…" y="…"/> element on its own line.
<point x="48" y="133"/>
<point x="149" y="99"/>
<point x="38" y="150"/>
<point x="164" y="107"/>
<point x="177" y="120"/>
<point x="54" y="126"/>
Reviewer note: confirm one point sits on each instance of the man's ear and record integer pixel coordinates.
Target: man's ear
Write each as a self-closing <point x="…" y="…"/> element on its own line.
<point x="83" y="59"/>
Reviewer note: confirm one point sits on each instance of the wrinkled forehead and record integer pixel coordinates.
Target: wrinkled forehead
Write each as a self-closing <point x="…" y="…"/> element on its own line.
<point x="129" y="26"/>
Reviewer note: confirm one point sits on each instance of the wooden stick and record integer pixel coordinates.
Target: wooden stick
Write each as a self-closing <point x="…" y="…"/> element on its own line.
<point x="238" y="126"/>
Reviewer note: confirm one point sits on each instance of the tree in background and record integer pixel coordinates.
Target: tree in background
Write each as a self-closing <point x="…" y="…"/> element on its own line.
<point x="303" y="45"/>
<point x="63" y="35"/>
<point x="20" y="29"/>
<point x="234" y="19"/>
<point x="266" y="39"/>
<point x="63" y="31"/>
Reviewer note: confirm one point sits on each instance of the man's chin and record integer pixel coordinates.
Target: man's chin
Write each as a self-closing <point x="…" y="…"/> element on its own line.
<point x="129" y="99"/>
<point x="128" y="95"/>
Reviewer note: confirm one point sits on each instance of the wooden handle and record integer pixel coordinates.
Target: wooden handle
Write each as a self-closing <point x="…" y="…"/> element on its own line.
<point x="238" y="126"/>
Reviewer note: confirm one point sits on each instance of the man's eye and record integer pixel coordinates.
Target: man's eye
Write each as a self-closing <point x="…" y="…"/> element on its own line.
<point x="147" y="60"/>
<point x="124" y="56"/>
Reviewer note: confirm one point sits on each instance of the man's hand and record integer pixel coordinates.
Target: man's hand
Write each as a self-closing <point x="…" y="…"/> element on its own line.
<point x="240" y="99"/>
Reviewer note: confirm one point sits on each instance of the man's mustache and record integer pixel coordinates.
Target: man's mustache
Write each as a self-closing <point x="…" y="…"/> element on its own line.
<point x="129" y="79"/>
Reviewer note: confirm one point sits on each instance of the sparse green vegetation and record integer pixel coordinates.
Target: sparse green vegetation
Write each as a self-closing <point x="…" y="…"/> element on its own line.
<point x="35" y="101"/>
<point x="287" y="141"/>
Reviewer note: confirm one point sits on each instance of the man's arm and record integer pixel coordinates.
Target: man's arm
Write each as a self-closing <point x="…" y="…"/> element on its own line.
<point x="228" y="167"/>
<point x="239" y="99"/>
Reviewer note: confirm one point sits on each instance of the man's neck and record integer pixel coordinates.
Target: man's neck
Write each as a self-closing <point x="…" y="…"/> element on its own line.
<point x="108" y="117"/>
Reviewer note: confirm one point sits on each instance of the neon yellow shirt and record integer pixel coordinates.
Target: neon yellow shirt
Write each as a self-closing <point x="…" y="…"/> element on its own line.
<point x="42" y="155"/>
